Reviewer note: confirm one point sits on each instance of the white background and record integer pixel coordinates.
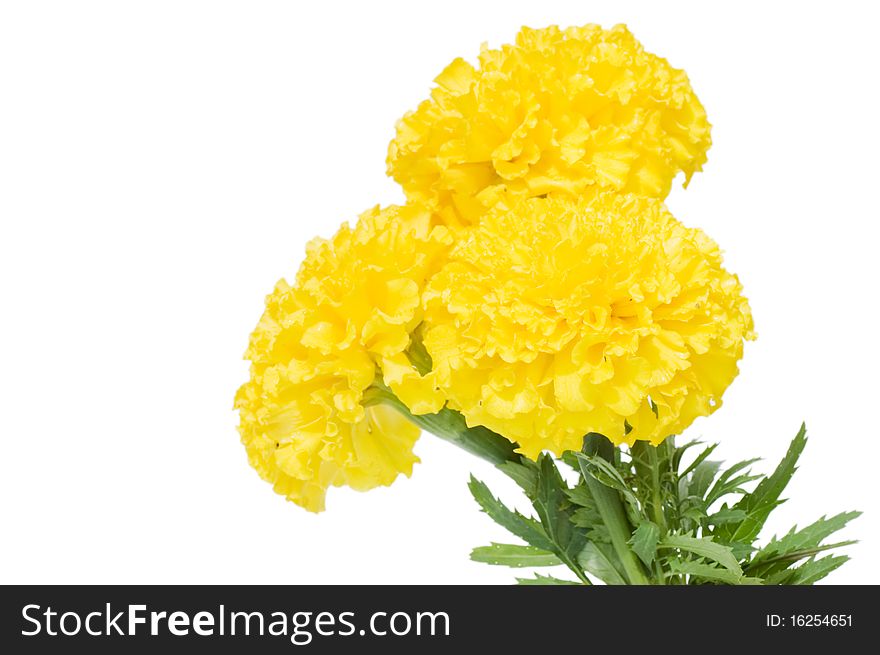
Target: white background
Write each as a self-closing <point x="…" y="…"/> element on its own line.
<point x="162" y="164"/>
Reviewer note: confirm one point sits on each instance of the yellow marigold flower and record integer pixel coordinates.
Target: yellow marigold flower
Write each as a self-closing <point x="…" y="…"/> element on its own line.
<point x="556" y="317"/>
<point x="304" y="417"/>
<point x="558" y="111"/>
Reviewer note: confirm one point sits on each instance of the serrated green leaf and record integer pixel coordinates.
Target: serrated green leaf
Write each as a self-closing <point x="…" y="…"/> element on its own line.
<point x="732" y="486"/>
<point x="679" y="452"/>
<point x="653" y="478"/>
<point x="781" y="564"/>
<point x="711" y="573"/>
<point x="740" y="550"/>
<point x="555" y="511"/>
<point x="544" y="580"/>
<point x="701" y="478"/>
<point x="759" y="503"/>
<point x="704" y="547"/>
<point x="569" y="459"/>
<point x="552" y="505"/>
<point x="779" y="578"/>
<point x="526" y="529"/>
<point x="607" y="474"/>
<point x="736" y="468"/>
<point x="599" y="560"/>
<point x="699" y="460"/>
<point x="809" y="537"/>
<point x="524" y="475"/>
<point x="695" y="513"/>
<point x="514" y="555"/>
<point x="580" y="495"/>
<point x="810" y="571"/>
<point x="604" y="472"/>
<point x="644" y="542"/>
<point x="587" y="518"/>
<point x="726" y="515"/>
<point x="781" y="553"/>
<point x="728" y="482"/>
<point x="600" y="534"/>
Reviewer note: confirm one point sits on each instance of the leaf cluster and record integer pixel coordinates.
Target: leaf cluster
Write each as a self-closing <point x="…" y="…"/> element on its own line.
<point x="645" y="516"/>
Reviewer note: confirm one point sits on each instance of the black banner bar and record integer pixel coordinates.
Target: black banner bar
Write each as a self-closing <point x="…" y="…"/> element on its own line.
<point x="338" y="619"/>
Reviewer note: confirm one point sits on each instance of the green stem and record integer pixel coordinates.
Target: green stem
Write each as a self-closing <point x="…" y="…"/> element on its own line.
<point x="450" y="426"/>
<point x="657" y="497"/>
<point x="614" y="518"/>
<point x="580" y="574"/>
<point x="492" y="447"/>
<point x="613" y="515"/>
<point x="657" y="502"/>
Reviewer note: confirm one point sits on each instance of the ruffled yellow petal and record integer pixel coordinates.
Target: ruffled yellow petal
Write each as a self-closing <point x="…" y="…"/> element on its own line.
<point x="316" y="350"/>
<point x="556" y="317"/>
<point x="420" y="393"/>
<point x="556" y="112"/>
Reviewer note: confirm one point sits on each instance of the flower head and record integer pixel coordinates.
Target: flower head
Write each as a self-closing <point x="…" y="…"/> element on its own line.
<point x="557" y="317"/>
<point x="558" y="111"/>
<point x="304" y="417"/>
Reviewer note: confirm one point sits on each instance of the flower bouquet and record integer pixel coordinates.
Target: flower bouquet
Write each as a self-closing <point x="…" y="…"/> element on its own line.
<point x="535" y="303"/>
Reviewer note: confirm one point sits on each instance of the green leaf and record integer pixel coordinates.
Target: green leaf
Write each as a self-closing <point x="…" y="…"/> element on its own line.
<point x="600" y="535"/>
<point x="679" y="452"/>
<point x="555" y="511"/>
<point x="524" y="473"/>
<point x="514" y="555"/>
<point x="653" y="477"/>
<point x="580" y="495"/>
<point x="728" y="484"/>
<point x="699" y="460"/>
<point x="711" y="573"/>
<point x="569" y="458"/>
<point x="808" y="538"/>
<point x="549" y="496"/>
<point x="759" y="503"/>
<point x="604" y="472"/>
<point x="780" y="565"/>
<point x="810" y="571"/>
<point x="418" y="355"/>
<point x="585" y="515"/>
<point x="704" y="547"/>
<point x="644" y="542"/>
<point x="781" y="553"/>
<point x="600" y="560"/>
<point x="544" y="580"/>
<point x="702" y="477"/>
<point x="726" y="515"/>
<point x="695" y="513"/>
<point x="732" y="486"/>
<point x="814" y="570"/>
<point x="739" y="549"/>
<point x="526" y="529"/>
<point x="587" y="518"/>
